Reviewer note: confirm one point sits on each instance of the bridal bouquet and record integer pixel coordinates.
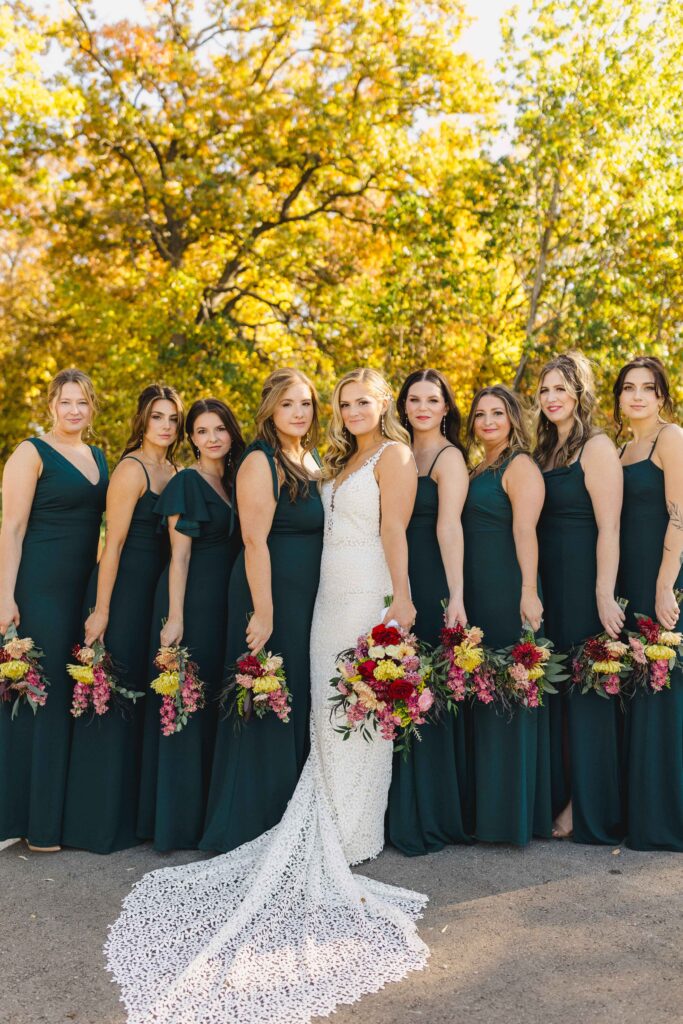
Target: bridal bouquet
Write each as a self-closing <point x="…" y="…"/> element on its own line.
<point x="654" y="653"/>
<point x="382" y="683"/>
<point x="258" y="685"/>
<point x="95" y="681"/>
<point x="21" y="675"/>
<point x="179" y="686"/>
<point x="526" y="671"/>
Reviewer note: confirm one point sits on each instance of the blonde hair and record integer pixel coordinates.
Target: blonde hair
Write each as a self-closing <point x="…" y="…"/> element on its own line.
<point x="71" y="376"/>
<point x="296" y="479"/>
<point x="577" y="374"/>
<point x="518" y="439"/>
<point x="342" y="443"/>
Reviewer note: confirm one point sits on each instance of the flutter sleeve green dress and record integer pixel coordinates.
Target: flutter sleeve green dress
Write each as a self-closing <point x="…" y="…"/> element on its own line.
<point x="58" y="555"/>
<point x="568" y="536"/>
<point x="101" y="808"/>
<point x="508" y="773"/>
<point x="428" y="798"/>
<point x="654" y="721"/>
<point x="176" y="769"/>
<point x="256" y="767"/>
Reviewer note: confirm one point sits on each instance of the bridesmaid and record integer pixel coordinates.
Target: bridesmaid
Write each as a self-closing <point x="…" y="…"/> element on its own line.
<point x="53" y="497"/>
<point x="651" y="568"/>
<point x="192" y="596"/>
<point x="428" y="799"/>
<point x="256" y="768"/>
<point x="101" y="806"/>
<point x="579" y="558"/>
<point x="501" y="510"/>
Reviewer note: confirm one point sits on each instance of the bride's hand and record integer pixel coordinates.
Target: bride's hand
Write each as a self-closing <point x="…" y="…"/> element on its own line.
<point x="402" y="610"/>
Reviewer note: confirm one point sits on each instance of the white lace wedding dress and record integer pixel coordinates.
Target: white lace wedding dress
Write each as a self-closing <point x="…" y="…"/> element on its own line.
<point x="280" y="930"/>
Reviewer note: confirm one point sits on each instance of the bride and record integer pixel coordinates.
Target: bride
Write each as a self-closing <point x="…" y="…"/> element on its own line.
<point x="280" y="930"/>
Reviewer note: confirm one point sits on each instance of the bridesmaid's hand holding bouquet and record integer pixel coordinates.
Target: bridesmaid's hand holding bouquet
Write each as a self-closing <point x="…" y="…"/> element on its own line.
<point x="95" y="680"/>
<point x="257" y="684"/>
<point x="179" y="686"/>
<point x="21" y="675"/>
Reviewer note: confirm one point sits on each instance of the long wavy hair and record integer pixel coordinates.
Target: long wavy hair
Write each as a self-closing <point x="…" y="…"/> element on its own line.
<point x="138" y="425"/>
<point x="296" y="480"/>
<point x="227" y="417"/>
<point x="518" y="439"/>
<point x="662" y="388"/>
<point x="342" y="443"/>
<point x="577" y="374"/>
<point x="72" y="376"/>
<point x="453" y="425"/>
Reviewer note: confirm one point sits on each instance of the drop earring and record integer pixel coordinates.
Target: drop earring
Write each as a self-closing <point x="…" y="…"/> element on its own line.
<point x="443" y="426"/>
<point x="381" y="424"/>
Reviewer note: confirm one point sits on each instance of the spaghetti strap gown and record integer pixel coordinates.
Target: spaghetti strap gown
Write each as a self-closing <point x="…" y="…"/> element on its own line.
<point x="568" y="535"/>
<point x="176" y="769"/>
<point x="654" y="721"/>
<point x="57" y="558"/>
<point x="101" y="808"/>
<point x="256" y="767"/>
<point x="428" y="805"/>
<point x="509" y="763"/>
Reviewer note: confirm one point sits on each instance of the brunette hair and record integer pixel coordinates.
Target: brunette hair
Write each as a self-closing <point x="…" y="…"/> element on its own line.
<point x="138" y="424"/>
<point x="662" y="388"/>
<point x="453" y="420"/>
<point x="577" y="374"/>
<point x="72" y="376"/>
<point x="342" y="442"/>
<point x="518" y="440"/>
<point x="227" y="416"/>
<point x="296" y="479"/>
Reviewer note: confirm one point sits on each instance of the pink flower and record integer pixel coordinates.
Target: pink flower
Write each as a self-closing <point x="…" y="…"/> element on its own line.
<point x="532" y="694"/>
<point x="612" y="685"/>
<point x="425" y="700"/>
<point x="659" y="675"/>
<point x="637" y="650"/>
<point x="343" y="688"/>
<point x="244" y="680"/>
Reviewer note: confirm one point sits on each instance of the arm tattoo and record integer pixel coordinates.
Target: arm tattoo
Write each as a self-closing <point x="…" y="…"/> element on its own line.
<point x="675" y="515"/>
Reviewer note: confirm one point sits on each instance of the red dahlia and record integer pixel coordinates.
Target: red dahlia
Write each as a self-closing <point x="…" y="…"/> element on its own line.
<point x="526" y="654"/>
<point x="596" y="650"/>
<point x="451" y="636"/>
<point x="649" y="629"/>
<point x="250" y="666"/>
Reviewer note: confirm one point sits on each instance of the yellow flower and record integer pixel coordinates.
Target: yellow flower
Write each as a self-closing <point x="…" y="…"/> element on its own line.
<point x="81" y="673"/>
<point x="659" y="652"/>
<point x="166" y="684"/>
<point x="666" y="637"/>
<point x="536" y="672"/>
<point x="607" y="667"/>
<point x="466" y="657"/>
<point x="266" y="684"/>
<point x="405" y="650"/>
<point x="389" y="670"/>
<point x="14" y="669"/>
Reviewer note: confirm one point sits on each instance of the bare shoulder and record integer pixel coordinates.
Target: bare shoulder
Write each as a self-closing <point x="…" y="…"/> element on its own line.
<point x="395" y="456"/>
<point x="670" y="441"/>
<point x="522" y="469"/>
<point x="598" y="448"/>
<point x="128" y="475"/>
<point x="25" y="458"/>
<point x="451" y="460"/>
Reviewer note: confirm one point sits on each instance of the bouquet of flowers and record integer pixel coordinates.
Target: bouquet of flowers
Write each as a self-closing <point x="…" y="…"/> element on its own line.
<point x="21" y="675"/>
<point x="179" y="686"/>
<point x="462" y="665"/>
<point x="654" y="652"/>
<point x="95" y="681"/>
<point x="382" y="683"/>
<point x="526" y="671"/>
<point x="603" y="665"/>
<point x="259" y="685"/>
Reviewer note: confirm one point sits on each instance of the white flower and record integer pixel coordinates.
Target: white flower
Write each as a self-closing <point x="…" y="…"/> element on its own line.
<point x="376" y="653"/>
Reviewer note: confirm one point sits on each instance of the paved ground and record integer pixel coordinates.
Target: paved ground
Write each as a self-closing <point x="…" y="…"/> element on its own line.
<point x="555" y="933"/>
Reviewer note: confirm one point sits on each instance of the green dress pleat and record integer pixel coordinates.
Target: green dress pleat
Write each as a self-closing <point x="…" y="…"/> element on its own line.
<point x="176" y="769"/>
<point x="256" y="767"/>
<point x="508" y="772"/>
<point x="654" y="721"/>
<point x="100" y="812"/>
<point x="568" y="536"/>
<point x="428" y="798"/>
<point x="57" y="559"/>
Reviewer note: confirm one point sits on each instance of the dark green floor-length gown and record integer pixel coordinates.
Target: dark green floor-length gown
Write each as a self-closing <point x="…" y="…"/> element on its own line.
<point x="57" y="558"/>
<point x="428" y="806"/>
<point x="568" y="535"/>
<point x="654" y="721"/>
<point x="176" y="769"/>
<point x="510" y="765"/>
<point x="256" y="769"/>
<point x="100" y="813"/>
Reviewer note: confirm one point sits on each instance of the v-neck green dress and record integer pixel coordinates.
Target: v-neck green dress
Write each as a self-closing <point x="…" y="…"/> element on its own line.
<point x="256" y="767"/>
<point x="428" y="798"/>
<point x="176" y="769"/>
<point x="654" y="721"/>
<point x="101" y="808"/>
<point x="511" y="769"/>
<point x="568" y="535"/>
<point x="57" y="558"/>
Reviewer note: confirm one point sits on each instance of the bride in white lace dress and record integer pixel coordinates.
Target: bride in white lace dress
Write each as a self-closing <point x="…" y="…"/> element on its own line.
<point x="280" y="930"/>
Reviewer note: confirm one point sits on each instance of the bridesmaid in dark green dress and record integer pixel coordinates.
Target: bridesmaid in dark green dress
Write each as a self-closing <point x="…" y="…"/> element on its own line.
<point x="192" y="595"/>
<point x="428" y="805"/>
<point x="651" y="568"/>
<point x="501" y="593"/>
<point x="256" y="768"/>
<point x="54" y="492"/>
<point x="579" y="558"/>
<point x="100" y="812"/>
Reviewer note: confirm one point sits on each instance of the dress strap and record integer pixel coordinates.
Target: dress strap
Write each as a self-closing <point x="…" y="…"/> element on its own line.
<point x="623" y="448"/>
<point x="579" y="456"/>
<point x="316" y="456"/>
<point x="133" y="458"/>
<point x="429" y="472"/>
<point x="659" y="434"/>
<point x="373" y="460"/>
